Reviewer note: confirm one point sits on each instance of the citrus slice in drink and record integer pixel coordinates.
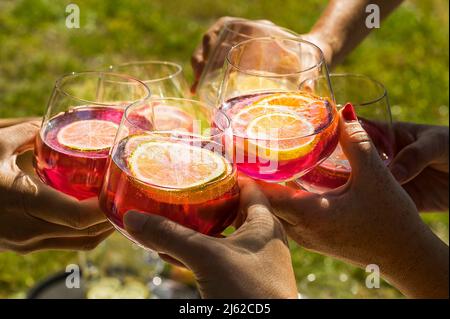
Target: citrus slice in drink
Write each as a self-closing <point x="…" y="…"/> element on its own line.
<point x="88" y="135"/>
<point x="281" y="136"/>
<point x="288" y="99"/>
<point x="282" y="126"/>
<point x="246" y="115"/>
<point x="175" y="165"/>
<point x="315" y="109"/>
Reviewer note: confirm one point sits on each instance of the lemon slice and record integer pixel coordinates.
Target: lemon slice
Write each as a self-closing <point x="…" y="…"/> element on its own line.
<point x="175" y="165"/>
<point x="281" y="136"/>
<point x="88" y="135"/>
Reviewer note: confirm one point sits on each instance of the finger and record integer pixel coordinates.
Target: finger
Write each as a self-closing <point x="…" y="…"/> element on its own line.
<point x="259" y="218"/>
<point x="18" y="138"/>
<point x="166" y="236"/>
<point x="171" y="260"/>
<point x="43" y="202"/>
<point x="255" y="209"/>
<point x="79" y="243"/>
<point x="358" y="147"/>
<point x="209" y="40"/>
<point x="253" y="202"/>
<point x="36" y="230"/>
<point x="414" y="158"/>
<point x="268" y="22"/>
<point x="292" y="205"/>
<point x="198" y="64"/>
<point x="203" y="51"/>
<point x="17" y="120"/>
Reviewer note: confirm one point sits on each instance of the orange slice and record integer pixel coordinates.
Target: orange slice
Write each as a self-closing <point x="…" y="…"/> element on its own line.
<point x="277" y="134"/>
<point x="282" y="125"/>
<point x="88" y="135"/>
<point x="288" y="99"/>
<point x="175" y="165"/>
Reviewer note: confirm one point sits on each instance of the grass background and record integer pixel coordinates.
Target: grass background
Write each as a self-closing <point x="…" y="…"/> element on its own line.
<point x="409" y="54"/>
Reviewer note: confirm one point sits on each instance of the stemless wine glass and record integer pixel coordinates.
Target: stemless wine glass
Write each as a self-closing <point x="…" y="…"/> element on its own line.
<point x="231" y="34"/>
<point x="179" y="169"/>
<point x="165" y="79"/>
<point x="79" y="126"/>
<point x="280" y="130"/>
<point x="371" y="102"/>
<point x="111" y="264"/>
<point x="81" y="121"/>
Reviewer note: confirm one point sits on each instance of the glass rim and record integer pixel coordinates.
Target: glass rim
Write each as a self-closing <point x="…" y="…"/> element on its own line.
<point x="299" y="40"/>
<point x="59" y="88"/>
<point x="227" y="27"/>
<point x="177" y="66"/>
<point x="335" y="117"/>
<point x="129" y="108"/>
<point x="380" y="85"/>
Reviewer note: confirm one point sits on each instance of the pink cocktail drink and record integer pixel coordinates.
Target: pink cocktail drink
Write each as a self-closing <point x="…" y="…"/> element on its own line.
<point x="192" y="186"/>
<point x="71" y="152"/>
<point x="335" y="170"/>
<point x="279" y="136"/>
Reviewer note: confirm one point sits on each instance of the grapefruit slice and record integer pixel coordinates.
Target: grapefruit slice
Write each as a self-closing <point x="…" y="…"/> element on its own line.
<point x="88" y="135"/>
<point x="175" y="165"/>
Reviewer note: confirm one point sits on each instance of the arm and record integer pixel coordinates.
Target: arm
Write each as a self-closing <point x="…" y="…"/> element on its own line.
<point x="418" y="267"/>
<point x="369" y="220"/>
<point x="342" y="27"/>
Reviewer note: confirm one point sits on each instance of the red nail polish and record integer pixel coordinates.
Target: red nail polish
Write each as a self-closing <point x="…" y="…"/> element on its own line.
<point x="348" y="113"/>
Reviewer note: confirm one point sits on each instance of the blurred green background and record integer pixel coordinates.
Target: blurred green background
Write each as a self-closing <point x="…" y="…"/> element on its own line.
<point x="409" y="54"/>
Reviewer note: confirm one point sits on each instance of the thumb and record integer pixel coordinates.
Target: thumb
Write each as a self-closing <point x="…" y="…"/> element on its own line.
<point x="18" y="138"/>
<point x="167" y="237"/>
<point x="295" y="207"/>
<point x="358" y="147"/>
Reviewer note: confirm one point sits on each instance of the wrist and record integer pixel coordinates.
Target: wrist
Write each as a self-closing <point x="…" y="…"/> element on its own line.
<point x="419" y="268"/>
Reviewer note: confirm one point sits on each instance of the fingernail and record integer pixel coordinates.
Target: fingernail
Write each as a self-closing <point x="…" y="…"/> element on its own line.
<point x="348" y="113"/>
<point x="135" y="221"/>
<point x="399" y="173"/>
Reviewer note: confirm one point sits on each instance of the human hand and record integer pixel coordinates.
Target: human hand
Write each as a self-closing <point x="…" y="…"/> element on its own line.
<point x="253" y="262"/>
<point x="322" y="43"/>
<point x="34" y="216"/>
<point x="421" y="164"/>
<point x="369" y="220"/>
<point x="204" y="50"/>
